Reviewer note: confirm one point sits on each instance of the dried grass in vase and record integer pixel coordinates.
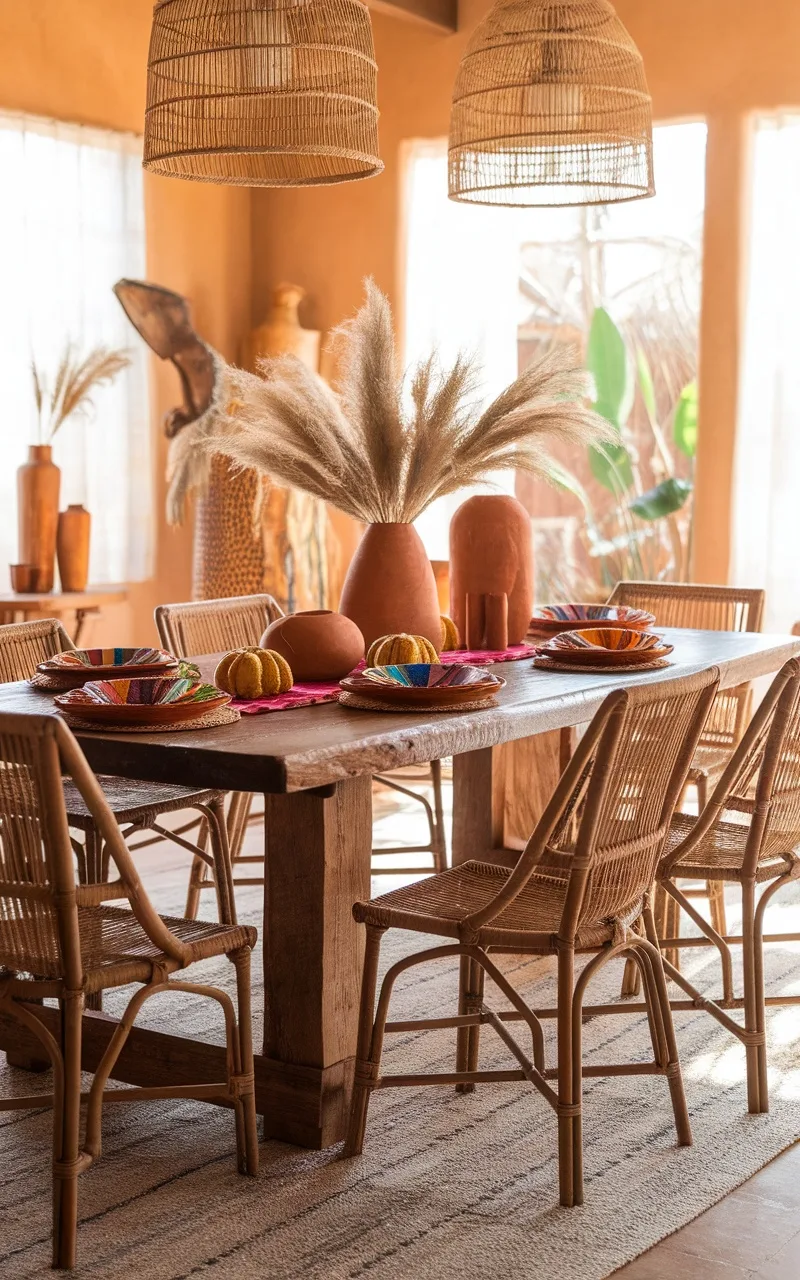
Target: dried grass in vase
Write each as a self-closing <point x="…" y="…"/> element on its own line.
<point x="75" y="381"/>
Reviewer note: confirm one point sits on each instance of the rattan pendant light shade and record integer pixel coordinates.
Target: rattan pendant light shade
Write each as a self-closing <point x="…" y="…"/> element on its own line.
<point x="275" y="93"/>
<point x="551" y="107"/>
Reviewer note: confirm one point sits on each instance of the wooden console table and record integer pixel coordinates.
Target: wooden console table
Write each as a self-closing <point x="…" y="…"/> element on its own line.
<point x="17" y="606"/>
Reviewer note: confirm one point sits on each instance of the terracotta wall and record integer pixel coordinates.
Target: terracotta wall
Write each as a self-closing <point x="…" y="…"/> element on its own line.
<point x="86" y="61"/>
<point x="721" y="59"/>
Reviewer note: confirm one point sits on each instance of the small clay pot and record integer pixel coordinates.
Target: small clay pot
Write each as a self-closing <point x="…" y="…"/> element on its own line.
<point x="317" y="644"/>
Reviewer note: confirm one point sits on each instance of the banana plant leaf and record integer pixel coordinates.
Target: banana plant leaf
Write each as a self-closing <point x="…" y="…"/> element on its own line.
<point x="646" y="384"/>
<point x="607" y="361"/>
<point x="664" y="500"/>
<point x="611" y="466"/>
<point x="684" y="428"/>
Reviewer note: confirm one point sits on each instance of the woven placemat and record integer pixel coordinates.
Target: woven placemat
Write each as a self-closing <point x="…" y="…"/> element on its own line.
<point x="368" y="704"/>
<point x="211" y="720"/>
<point x="546" y="664"/>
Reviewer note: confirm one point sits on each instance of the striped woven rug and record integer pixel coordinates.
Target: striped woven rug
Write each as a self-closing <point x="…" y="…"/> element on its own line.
<point x="449" y="1186"/>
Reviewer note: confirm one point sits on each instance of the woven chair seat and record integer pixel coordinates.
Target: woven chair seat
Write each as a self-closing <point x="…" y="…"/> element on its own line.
<point x="439" y="904"/>
<point x="720" y="854"/>
<point x="133" y="801"/>
<point x="115" y="948"/>
<point x="710" y="762"/>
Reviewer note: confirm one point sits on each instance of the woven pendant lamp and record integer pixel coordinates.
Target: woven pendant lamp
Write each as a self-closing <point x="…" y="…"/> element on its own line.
<point x="273" y="93"/>
<point x="551" y="107"/>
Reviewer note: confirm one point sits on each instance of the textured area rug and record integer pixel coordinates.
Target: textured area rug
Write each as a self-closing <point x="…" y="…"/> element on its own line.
<point x="449" y="1186"/>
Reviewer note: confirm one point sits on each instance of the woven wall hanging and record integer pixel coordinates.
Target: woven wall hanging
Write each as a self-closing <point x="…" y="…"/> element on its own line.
<point x="275" y="93"/>
<point x="551" y="107"/>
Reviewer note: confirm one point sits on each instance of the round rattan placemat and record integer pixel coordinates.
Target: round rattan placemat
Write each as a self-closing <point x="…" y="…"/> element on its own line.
<point x="211" y="720"/>
<point x="369" y="704"/>
<point x="545" y="664"/>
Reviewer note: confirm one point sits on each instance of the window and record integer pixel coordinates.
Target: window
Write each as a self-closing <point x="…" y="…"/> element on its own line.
<point x="766" y="512"/>
<point x="503" y="283"/>
<point x="71" y="225"/>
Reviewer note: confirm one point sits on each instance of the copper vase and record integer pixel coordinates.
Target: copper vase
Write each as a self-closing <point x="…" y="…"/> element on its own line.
<point x="72" y="546"/>
<point x="38" y="486"/>
<point x="390" y="586"/>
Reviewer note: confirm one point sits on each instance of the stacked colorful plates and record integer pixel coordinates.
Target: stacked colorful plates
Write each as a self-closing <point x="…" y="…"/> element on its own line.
<point x="551" y="619"/>
<point x="76" y="666"/>
<point x="142" y="701"/>
<point x="604" y="647"/>
<point x="421" y="684"/>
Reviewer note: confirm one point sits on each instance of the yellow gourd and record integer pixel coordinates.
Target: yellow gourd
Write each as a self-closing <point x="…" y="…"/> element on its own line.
<point x="391" y="650"/>
<point x="253" y="673"/>
<point x="450" y="637"/>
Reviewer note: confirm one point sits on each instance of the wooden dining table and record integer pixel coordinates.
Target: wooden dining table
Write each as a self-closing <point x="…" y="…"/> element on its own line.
<point x="314" y="767"/>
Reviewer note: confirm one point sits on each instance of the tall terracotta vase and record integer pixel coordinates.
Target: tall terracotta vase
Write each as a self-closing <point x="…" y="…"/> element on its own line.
<point x="390" y="586"/>
<point x="491" y="571"/>
<point x="72" y="547"/>
<point x="38" y="485"/>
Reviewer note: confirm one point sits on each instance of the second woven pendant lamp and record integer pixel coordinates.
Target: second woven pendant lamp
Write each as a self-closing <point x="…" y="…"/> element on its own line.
<point x="275" y="93"/>
<point x="551" y="107"/>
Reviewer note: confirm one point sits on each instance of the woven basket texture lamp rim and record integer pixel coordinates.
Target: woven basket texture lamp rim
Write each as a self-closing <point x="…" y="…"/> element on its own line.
<point x="551" y="108"/>
<point x="273" y="93"/>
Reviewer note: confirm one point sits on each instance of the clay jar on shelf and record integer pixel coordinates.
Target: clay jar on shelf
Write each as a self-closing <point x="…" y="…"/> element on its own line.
<point x="317" y="644"/>
<point x="390" y="587"/>
<point x="491" y="571"/>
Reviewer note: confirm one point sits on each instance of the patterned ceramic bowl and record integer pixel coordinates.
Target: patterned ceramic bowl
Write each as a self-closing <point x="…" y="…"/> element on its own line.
<point x="425" y="684"/>
<point x="142" y="701"/>
<point x="550" y="619"/>
<point x="109" y="659"/>
<point x="612" y="646"/>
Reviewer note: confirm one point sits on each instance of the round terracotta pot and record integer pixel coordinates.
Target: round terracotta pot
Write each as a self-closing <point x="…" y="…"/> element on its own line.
<point x="491" y="571"/>
<point x="318" y="644"/>
<point x="390" y="586"/>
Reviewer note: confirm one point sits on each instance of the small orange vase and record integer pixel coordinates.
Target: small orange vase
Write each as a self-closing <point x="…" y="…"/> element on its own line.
<point x="72" y="546"/>
<point x="38" y="486"/>
<point x="390" y="586"/>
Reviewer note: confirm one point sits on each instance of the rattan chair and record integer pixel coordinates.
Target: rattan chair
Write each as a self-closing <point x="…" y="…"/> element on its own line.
<point x="213" y="626"/>
<point x="57" y="941"/>
<point x="582" y="884"/>
<point x="761" y="781"/>
<point x="137" y="806"/>
<point x="706" y="608"/>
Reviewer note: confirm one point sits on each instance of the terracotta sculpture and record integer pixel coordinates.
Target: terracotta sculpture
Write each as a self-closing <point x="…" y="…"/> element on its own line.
<point x="491" y="571"/>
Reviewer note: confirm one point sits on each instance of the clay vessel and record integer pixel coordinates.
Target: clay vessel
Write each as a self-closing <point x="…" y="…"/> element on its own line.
<point x="72" y="547"/>
<point x="390" y="586"/>
<point x="38" y="484"/>
<point x="318" y="644"/>
<point x="491" y="571"/>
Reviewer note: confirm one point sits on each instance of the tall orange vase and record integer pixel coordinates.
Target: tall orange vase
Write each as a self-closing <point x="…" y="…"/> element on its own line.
<point x="390" y="586"/>
<point x="38" y="487"/>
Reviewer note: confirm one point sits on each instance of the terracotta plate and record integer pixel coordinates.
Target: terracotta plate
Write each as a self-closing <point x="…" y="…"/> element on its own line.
<point x="551" y="619"/>
<point x="609" y="646"/>
<point x="142" y="701"/>
<point x="393" y="693"/>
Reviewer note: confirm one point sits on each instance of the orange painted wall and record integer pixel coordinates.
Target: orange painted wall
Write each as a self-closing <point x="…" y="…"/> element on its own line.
<point x="722" y="59"/>
<point x="86" y="61"/>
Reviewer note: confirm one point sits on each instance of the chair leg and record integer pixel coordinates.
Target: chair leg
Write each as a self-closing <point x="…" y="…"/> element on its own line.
<point x="470" y="1000"/>
<point x="245" y="1105"/>
<point x="66" y="1138"/>
<point x="753" y="1000"/>
<point x="93" y="864"/>
<point x="570" y="1177"/>
<point x="716" y="901"/>
<point x="197" y="876"/>
<point x="673" y="1062"/>
<point x="366" y="1069"/>
<point x="439" y="842"/>
<point x="223" y="871"/>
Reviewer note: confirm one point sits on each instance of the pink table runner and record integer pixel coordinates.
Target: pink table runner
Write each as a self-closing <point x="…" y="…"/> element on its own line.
<point x="313" y="693"/>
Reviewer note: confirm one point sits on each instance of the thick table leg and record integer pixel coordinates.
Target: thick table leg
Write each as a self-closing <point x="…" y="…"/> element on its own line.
<point x="318" y="864"/>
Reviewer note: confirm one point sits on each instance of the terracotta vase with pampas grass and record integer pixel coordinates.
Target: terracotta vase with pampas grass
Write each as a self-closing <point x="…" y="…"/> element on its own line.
<point x="361" y="450"/>
<point x="39" y="479"/>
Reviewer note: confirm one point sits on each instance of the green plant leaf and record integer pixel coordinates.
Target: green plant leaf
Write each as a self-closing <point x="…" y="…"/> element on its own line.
<point x="646" y="384"/>
<point x="663" y="500"/>
<point x="564" y="479"/>
<point x="607" y="361"/>
<point x="684" y="427"/>
<point x="611" y="467"/>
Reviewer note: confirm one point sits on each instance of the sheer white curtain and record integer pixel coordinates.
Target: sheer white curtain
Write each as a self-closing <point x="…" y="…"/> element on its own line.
<point x="72" y="224"/>
<point x="766" y="523"/>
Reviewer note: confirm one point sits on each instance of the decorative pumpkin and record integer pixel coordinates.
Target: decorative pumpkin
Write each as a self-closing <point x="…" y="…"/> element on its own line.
<point x="253" y="673"/>
<point x="450" y="637"/>
<point x="390" y="650"/>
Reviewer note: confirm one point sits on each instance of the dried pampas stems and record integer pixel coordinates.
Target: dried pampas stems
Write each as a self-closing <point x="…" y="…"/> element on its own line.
<point x="362" y="452"/>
